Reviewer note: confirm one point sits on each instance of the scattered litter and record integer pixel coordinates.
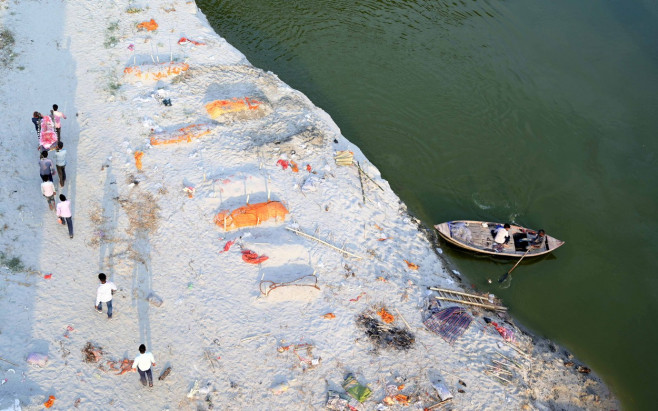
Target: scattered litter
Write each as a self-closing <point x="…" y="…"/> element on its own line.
<point x="384" y="335"/>
<point x="294" y="167"/>
<point x="311" y="184"/>
<point x="155" y="300"/>
<point x="280" y="388"/>
<point x="50" y="402"/>
<point x="37" y="359"/>
<point x="48" y="276"/>
<point x="251" y="257"/>
<point x="164" y="374"/>
<point x="358" y="297"/>
<point x="411" y="265"/>
<point x="227" y="246"/>
<point x="355" y="390"/>
<point x="450" y="323"/>
<point x="283" y="163"/>
<point x="307" y="362"/>
<point x="148" y="25"/>
<point x="123" y="366"/>
<point x="92" y="353"/>
<point x="329" y="316"/>
<point x="184" y="40"/>
<point x="386" y="316"/>
<point x="505" y="332"/>
<point x="138" y="159"/>
<point x="166" y="102"/>
<point x="189" y="191"/>
<point x="584" y="370"/>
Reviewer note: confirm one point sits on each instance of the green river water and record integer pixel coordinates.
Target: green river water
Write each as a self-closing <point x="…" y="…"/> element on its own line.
<point x="542" y="113"/>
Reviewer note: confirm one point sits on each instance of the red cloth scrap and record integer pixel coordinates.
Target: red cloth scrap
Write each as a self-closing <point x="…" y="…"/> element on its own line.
<point x="250" y="257"/>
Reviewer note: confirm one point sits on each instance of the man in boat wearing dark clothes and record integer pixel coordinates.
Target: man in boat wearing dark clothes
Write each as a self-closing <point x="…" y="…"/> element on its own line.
<point x="535" y="239"/>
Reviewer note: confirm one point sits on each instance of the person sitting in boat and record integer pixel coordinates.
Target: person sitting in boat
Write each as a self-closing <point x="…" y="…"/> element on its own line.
<point x="501" y="235"/>
<point x="535" y="239"/>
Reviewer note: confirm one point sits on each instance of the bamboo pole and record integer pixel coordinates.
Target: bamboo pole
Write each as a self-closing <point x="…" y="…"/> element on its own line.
<point x="509" y="359"/>
<point x="363" y="193"/>
<point x="254" y="337"/>
<point x="517" y="350"/>
<point x="12" y="363"/>
<point x="364" y="173"/>
<point x="497" y="376"/>
<point x="445" y="290"/>
<point x="487" y="306"/>
<point x="497" y="369"/>
<point x="323" y="242"/>
<point x="405" y="321"/>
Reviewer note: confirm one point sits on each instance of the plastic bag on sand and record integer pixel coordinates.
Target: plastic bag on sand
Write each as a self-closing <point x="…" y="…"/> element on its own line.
<point x="37" y="359"/>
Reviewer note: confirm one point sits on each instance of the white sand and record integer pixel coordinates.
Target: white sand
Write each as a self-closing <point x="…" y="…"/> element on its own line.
<point x="151" y="237"/>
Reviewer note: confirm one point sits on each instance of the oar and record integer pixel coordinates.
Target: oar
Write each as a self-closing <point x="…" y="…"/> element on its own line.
<point x="504" y="277"/>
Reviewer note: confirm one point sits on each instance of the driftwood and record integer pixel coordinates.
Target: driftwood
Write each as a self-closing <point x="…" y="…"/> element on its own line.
<point x="164" y="374"/>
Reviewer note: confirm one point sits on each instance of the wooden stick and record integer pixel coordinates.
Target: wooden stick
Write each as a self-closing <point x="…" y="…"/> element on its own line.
<point x="364" y="173"/>
<point x="498" y="369"/>
<point x="12" y="363"/>
<point x="509" y="359"/>
<point x="363" y="193"/>
<point x="438" y="404"/>
<point x="498" y="376"/>
<point x="517" y="350"/>
<point x="459" y="293"/>
<point x="323" y="242"/>
<point x="504" y="277"/>
<point x="487" y="306"/>
<point x="210" y="361"/>
<point x="254" y="337"/>
<point x="405" y="321"/>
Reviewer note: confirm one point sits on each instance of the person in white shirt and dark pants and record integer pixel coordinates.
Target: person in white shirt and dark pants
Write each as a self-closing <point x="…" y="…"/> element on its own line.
<point x="104" y="294"/>
<point x="143" y="363"/>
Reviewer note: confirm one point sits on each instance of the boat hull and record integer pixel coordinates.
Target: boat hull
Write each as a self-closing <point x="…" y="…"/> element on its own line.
<point x="476" y="236"/>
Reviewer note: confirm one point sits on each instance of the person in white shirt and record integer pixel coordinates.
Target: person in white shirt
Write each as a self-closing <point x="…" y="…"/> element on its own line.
<point x="104" y="294"/>
<point x="143" y="363"/>
<point x="64" y="213"/>
<point x="57" y="118"/>
<point x="501" y="235"/>
<point x="48" y="191"/>
<point x="60" y="163"/>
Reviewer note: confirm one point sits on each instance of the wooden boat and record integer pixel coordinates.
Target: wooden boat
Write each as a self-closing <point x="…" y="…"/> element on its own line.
<point x="476" y="236"/>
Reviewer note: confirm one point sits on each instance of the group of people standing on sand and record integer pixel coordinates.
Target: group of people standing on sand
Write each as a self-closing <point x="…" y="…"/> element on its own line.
<point x="49" y="133"/>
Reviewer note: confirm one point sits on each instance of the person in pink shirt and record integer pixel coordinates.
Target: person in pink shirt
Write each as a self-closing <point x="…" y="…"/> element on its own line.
<point x="57" y="118"/>
<point x="64" y="213"/>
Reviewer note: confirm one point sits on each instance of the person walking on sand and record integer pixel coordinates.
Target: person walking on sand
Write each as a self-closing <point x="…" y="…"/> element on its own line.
<point x="36" y="119"/>
<point x="48" y="191"/>
<point x="104" y="294"/>
<point x="60" y="163"/>
<point x="64" y="213"/>
<point x="143" y="363"/>
<point x="46" y="167"/>
<point x="57" y="118"/>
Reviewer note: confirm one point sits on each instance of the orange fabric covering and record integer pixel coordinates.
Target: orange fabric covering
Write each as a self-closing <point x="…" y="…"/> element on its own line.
<point x="185" y="134"/>
<point x="148" y="25"/>
<point x="219" y="107"/>
<point x="251" y="215"/>
<point x="386" y="316"/>
<point x="157" y="71"/>
<point x="138" y="159"/>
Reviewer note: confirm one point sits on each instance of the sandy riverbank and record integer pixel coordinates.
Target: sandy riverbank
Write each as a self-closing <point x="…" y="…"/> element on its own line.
<point x="153" y="232"/>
